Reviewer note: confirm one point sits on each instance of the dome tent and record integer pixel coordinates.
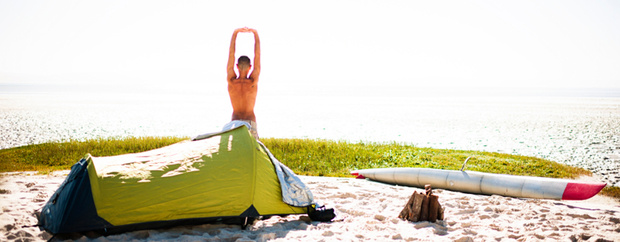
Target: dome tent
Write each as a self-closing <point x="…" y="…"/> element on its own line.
<point x="226" y="177"/>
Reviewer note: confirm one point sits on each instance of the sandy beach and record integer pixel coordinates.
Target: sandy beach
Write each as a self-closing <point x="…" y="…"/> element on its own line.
<point x="366" y="211"/>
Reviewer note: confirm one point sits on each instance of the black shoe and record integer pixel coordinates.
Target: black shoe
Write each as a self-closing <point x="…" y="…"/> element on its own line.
<point x="321" y="214"/>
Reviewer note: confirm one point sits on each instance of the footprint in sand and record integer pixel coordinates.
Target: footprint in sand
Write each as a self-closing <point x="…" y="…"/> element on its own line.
<point x="20" y="235"/>
<point x="40" y="198"/>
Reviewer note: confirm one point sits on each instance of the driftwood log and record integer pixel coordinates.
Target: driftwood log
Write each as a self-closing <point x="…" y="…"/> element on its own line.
<point x="422" y="207"/>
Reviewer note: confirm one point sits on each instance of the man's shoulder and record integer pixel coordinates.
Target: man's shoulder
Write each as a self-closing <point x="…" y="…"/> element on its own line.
<point x="231" y="78"/>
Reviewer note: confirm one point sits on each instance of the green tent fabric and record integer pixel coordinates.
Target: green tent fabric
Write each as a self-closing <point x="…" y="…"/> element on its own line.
<point x="226" y="175"/>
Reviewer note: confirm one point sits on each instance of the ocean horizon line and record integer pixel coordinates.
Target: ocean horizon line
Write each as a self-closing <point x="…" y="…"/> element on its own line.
<point x="322" y="90"/>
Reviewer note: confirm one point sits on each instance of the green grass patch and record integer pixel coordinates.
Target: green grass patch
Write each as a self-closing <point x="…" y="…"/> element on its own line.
<point x="336" y="158"/>
<point x="304" y="156"/>
<point x="611" y="192"/>
<point x="62" y="155"/>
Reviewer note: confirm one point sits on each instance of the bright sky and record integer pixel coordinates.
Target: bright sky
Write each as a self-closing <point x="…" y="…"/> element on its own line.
<point x="563" y="43"/>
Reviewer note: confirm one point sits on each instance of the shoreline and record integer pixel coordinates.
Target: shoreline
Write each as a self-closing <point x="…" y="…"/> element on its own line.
<point x="581" y="132"/>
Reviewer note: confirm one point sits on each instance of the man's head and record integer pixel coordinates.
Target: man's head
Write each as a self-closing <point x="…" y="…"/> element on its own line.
<point x="243" y="63"/>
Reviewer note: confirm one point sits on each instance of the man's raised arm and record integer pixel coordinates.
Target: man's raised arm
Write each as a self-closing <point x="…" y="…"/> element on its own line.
<point x="230" y="68"/>
<point x="256" y="70"/>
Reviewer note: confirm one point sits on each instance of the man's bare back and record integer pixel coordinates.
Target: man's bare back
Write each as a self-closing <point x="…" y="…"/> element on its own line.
<point x="242" y="89"/>
<point x="242" y="93"/>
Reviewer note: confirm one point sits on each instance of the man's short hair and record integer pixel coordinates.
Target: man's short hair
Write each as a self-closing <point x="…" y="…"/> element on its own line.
<point x="244" y="61"/>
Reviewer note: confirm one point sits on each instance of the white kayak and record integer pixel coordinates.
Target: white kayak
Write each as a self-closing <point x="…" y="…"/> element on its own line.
<point x="485" y="183"/>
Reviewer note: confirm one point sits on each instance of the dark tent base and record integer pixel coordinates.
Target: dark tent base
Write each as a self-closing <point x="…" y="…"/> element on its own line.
<point x="323" y="215"/>
<point x="241" y="221"/>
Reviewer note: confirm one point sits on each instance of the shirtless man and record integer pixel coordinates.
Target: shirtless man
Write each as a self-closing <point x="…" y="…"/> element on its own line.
<point x="242" y="89"/>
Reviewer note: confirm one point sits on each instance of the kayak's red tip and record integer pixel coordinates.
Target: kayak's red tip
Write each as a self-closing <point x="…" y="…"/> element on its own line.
<point x="357" y="175"/>
<point x="581" y="191"/>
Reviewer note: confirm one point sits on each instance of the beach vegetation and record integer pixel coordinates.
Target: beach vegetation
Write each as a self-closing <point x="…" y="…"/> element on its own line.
<point x="339" y="158"/>
<point x="53" y="156"/>
<point x="304" y="156"/>
<point x="611" y="192"/>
